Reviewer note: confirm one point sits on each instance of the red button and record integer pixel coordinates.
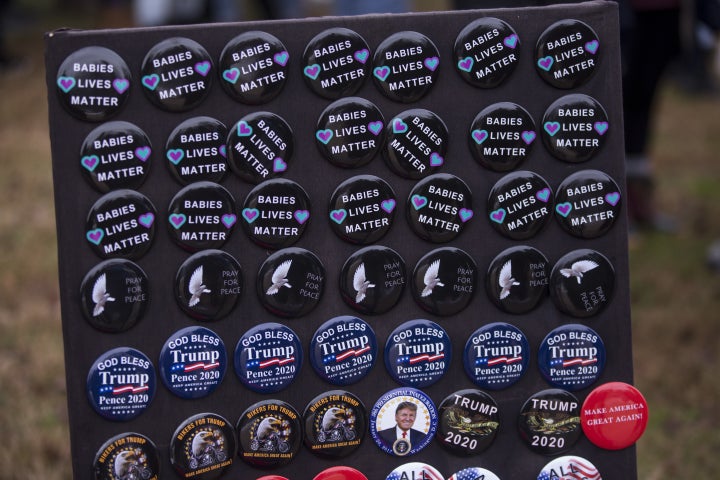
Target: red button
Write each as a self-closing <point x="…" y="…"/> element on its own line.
<point x="272" y="477"/>
<point x="614" y="416"/>
<point x="340" y="473"/>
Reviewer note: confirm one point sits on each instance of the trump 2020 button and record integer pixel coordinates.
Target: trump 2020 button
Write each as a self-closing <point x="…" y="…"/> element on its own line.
<point x="208" y="285"/>
<point x="126" y="456"/>
<point x="549" y="421"/>
<point x="587" y="203"/>
<point x="444" y="281"/>
<point x="474" y="473"/>
<point x="269" y="434"/>
<point x="566" y="54"/>
<point x="196" y="151"/>
<point x="582" y="283"/>
<point x="335" y="424"/>
<point x="193" y="362"/>
<point x="121" y="384"/>
<point x="290" y="282"/>
<point x="520" y="205"/>
<point x="502" y="136"/>
<point x="572" y="357"/>
<point x="575" y="128"/>
<point x="415" y="470"/>
<point x="362" y="209"/>
<point x="203" y="446"/>
<point x="517" y="279"/>
<point x="268" y="357"/>
<point x="403" y="421"/>
<point x="569" y="466"/>
<point x="486" y="52"/>
<point x="372" y="279"/>
<point x="614" y="415"/>
<point x="418" y="353"/>
<point x="469" y="421"/>
<point x="439" y="207"/>
<point x="496" y="356"/>
<point x="114" y="295"/>
<point x="343" y="350"/>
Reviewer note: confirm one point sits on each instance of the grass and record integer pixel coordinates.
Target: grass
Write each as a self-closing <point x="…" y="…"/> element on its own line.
<point x="675" y="298"/>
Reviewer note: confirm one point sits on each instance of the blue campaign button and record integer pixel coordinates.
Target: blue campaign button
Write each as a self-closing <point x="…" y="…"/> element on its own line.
<point x="496" y="356"/>
<point x="474" y="473"/>
<point x="268" y="357"/>
<point x="418" y="353"/>
<point x="193" y="362"/>
<point x="343" y="350"/>
<point x="403" y="421"/>
<point x="571" y="357"/>
<point x="121" y="384"/>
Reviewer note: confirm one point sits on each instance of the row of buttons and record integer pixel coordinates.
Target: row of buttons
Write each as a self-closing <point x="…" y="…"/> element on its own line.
<point x="177" y="74"/>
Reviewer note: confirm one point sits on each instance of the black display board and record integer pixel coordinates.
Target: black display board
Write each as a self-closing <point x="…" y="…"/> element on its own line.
<point x="453" y="100"/>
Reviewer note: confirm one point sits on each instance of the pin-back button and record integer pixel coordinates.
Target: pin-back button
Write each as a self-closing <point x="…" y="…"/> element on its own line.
<point x="474" y="473"/>
<point x="362" y="209"/>
<point x="93" y="83"/>
<point x="614" y="415"/>
<point x="575" y="128"/>
<point x="549" y="421"/>
<point x="290" y="282"/>
<point x="403" y="421"/>
<point x="517" y="279"/>
<point x="372" y="280"/>
<point x="177" y="74"/>
<point x="193" y="362"/>
<point x="127" y="455"/>
<point x="268" y="357"/>
<point x="269" y="433"/>
<point x="196" y="151"/>
<point x="566" y="54"/>
<point x="340" y="473"/>
<point x="496" y="356"/>
<point x="203" y="447"/>
<point x="418" y="353"/>
<point x="417" y="141"/>
<point x="520" y="205"/>
<point x="469" y="421"/>
<point x="587" y="203"/>
<point x="336" y="62"/>
<point x="571" y="357"/>
<point x="415" y="470"/>
<point x="502" y="136"/>
<point x="582" y="283"/>
<point x="439" y="207"/>
<point x="568" y="467"/>
<point x="343" y="350"/>
<point x="335" y="424"/>
<point x="121" y="384"/>
<point x="114" y="295"/>
<point x="116" y="155"/>
<point x="208" y="285"/>
<point x="486" y="52"/>
<point x="444" y="281"/>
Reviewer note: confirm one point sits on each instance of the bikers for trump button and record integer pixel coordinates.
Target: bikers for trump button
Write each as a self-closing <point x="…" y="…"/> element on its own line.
<point x="129" y="455"/>
<point x="335" y="424"/>
<point x="269" y="434"/>
<point x="203" y="447"/>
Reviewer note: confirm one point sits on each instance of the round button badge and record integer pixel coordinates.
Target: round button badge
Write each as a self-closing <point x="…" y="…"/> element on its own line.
<point x="549" y="421"/>
<point x="350" y="132"/>
<point x="372" y="280"/>
<point x="468" y="422"/>
<point x="417" y="141"/>
<point x="196" y="151"/>
<point x="114" y="295"/>
<point x="290" y="282"/>
<point x="201" y="216"/>
<point x="254" y="67"/>
<point x="587" y="203"/>
<point x="566" y="54"/>
<point x="343" y="350"/>
<point x="115" y="155"/>
<point x="415" y="470"/>
<point x="575" y="128"/>
<point x="268" y="357"/>
<point x="335" y="63"/>
<point x="275" y="213"/>
<point x="496" y="356"/>
<point x="121" y="224"/>
<point x="93" y="83"/>
<point x="335" y="424"/>
<point x="193" y="362"/>
<point x="177" y="74"/>
<point x="517" y="279"/>
<point x="444" y="281"/>
<point x="208" y="285"/>
<point x="569" y="467"/>
<point x="520" y="204"/>
<point x="501" y="136"/>
<point x="486" y="52"/>
<point x="339" y="473"/>
<point x="203" y="447"/>
<point x="128" y="455"/>
<point x="406" y="66"/>
<point x="582" y="283"/>
<point x="362" y="209"/>
<point x="418" y="353"/>
<point x="474" y="473"/>
<point x="614" y="415"/>
<point x="260" y="147"/>
<point x="121" y="384"/>
<point x="269" y="433"/>
<point x="439" y="207"/>
<point x="403" y="421"/>
<point x="571" y="357"/>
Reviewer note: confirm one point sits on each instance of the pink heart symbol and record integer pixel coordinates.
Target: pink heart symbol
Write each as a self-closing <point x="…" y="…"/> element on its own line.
<point x="66" y="83"/>
<point x="95" y="236"/>
<point x="592" y="46"/>
<point x="601" y="127"/>
<point x="466" y="214"/>
<point x="362" y="55"/>
<point x="419" y="201"/>
<point x="551" y="127"/>
<point x="381" y="73"/>
<point x="243" y="129"/>
<point x="479" y="136"/>
<point x="177" y="220"/>
<point x="563" y="209"/>
<point x="546" y="63"/>
<point x="143" y="153"/>
<point x="90" y="162"/>
<point x="338" y="216"/>
<point x="312" y="71"/>
<point x="498" y="215"/>
<point x="250" y="214"/>
<point x="231" y="75"/>
<point x="431" y="63"/>
<point x="202" y="68"/>
<point x="223" y="150"/>
<point x="466" y="64"/>
<point x="375" y="127"/>
<point x="324" y="135"/>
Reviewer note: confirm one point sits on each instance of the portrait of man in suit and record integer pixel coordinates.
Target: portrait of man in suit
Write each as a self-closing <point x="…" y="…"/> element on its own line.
<point x="402" y="437"/>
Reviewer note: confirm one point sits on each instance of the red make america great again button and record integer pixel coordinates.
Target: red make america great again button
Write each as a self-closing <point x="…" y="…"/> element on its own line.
<point x="614" y="416"/>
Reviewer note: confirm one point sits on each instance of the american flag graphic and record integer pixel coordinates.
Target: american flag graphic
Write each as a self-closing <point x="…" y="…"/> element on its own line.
<point x="191" y="367"/>
<point x="420" y="358"/>
<point x="421" y="472"/>
<point x="574" y="469"/>
<point x="123" y="389"/>
<point x="346" y="354"/>
<point x="570" y="362"/>
<point x="488" y="361"/>
<point x="269" y="363"/>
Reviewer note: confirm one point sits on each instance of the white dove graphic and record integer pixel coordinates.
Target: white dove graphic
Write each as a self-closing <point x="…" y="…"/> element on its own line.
<point x="506" y="279"/>
<point x="431" y="279"/>
<point x="279" y="278"/>
<point x="100" y="295"/>
<point x="196" y="286"/>
<point x="578" y="269"/>
<point x="360" y="283"/>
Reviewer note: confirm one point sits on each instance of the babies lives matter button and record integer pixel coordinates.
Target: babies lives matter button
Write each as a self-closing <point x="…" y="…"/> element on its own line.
<point x="196" y="150"/>
<point x="362" y="209"/>
<point x="438" y="207"/>
<point x="417" y="140"/>
<point x="502" y="136"/>
<point x="566" y="54"/>
<point x="575" y="127"/>
<point x="486" y="52"/>
<point x="587" y="203"/>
